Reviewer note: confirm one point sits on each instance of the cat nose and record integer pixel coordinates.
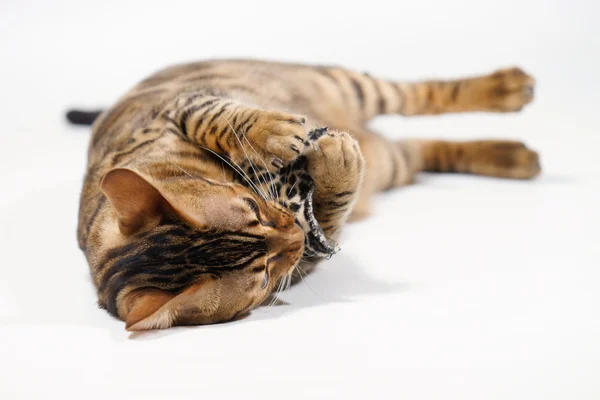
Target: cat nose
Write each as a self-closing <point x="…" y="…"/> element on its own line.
<point x="291" y="237"/>
<point x="295" y="245"/>
<point x="296" y="235"/>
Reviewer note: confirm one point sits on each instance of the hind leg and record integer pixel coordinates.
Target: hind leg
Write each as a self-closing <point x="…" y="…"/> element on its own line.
<point x="348" y="98"/>
<point x="505" y="90"/>
<point x="496" y="158"/>
<point x="395" y="163"/>
<point x="345" y="99"/>
<point x="388" y="165"/>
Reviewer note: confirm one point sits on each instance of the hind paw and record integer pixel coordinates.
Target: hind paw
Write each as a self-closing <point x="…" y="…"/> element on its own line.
<point x="506" y="159"/>
<point x="509" y="89"/>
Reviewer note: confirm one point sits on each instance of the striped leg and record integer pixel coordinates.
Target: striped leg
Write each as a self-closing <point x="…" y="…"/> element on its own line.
<point x="496" y="158"/>
<point x="392" y="164"/>
<point x="366" y="97"/>
<point x="237" y="131"/>
<point x="503" y="91"/>
<point x="387" y="165"/>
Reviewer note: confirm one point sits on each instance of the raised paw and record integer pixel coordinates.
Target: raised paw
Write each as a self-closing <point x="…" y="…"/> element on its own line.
<point x="276" y="139"/>
<point x="336" y="163"/>
<point x="505" y="159"/>
<point x="508" y="89"/>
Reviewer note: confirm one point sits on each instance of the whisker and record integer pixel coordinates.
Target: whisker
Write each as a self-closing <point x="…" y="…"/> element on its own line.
<point x="304" y="280"/>
<point x="246" y="154"/>
<point x="310" y="252"/>
<point x="183" y="170"/>
<point x="274" y="294"/>
<point x="288" y="281"/>
<point x="272" y="187"/>
<point x="223" y="171"/>
<point x="242" y="174"/>
<point x="293" y="186"/>
<point x="274" y="298"/>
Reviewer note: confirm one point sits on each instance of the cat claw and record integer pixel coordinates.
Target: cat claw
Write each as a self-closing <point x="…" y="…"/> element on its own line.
<point x="277" y="163"/>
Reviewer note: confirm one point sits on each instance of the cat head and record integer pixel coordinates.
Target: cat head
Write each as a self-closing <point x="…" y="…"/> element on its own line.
<point x="192" y="251"/>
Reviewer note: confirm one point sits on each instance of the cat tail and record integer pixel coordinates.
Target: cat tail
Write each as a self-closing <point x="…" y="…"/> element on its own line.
<point x="79" y="117"/>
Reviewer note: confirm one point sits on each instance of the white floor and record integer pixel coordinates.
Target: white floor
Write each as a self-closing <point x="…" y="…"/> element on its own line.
<point x="458" y="287"/>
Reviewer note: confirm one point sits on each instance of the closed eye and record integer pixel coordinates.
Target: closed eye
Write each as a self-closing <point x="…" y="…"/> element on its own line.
<point x="253" y="206"/>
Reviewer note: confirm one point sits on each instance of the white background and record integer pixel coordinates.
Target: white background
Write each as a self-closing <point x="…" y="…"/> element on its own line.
<point x="458" y="287"/>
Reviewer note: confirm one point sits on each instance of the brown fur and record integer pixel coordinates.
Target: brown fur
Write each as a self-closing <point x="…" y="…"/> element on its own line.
<point x="172" y="236"/>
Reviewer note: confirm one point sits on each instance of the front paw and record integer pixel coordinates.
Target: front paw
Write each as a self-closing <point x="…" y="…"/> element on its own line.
<point x="276" y="139"/>
<point x="336" y="163"/>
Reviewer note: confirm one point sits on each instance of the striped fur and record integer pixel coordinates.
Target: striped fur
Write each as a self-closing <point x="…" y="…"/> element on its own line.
<point x="178" y="218"/>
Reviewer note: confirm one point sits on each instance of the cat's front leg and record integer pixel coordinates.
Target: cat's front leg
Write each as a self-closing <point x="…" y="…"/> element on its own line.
<point x="336" y="165"/>
<point x="245" y="134"/>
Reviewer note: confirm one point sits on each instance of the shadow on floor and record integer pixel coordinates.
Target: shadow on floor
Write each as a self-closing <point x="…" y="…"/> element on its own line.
<point x="338" y="280"/>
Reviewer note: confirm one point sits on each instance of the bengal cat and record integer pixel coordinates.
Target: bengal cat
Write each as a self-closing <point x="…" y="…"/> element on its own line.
<point x="176" y="228"/>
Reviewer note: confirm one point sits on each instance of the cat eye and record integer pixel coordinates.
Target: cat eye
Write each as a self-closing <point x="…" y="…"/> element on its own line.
<point x="253" y="205"/>
<point x="265" y="281"/>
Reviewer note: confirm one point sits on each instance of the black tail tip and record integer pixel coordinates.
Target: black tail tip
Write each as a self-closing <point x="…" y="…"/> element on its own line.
<point x="79" y="117"/>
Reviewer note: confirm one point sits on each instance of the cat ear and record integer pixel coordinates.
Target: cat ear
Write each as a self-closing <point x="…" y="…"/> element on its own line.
<point x="144" y="313"/>
<point x="158" y="309"/>
<point x="135" y="201"/>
